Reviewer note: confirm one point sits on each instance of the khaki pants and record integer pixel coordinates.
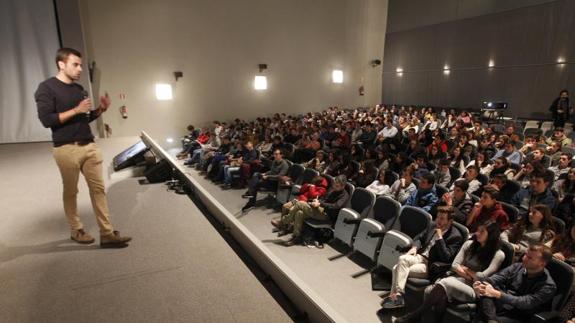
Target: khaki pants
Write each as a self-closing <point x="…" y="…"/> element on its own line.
<point x="299" y="212"/>
<point x="73" y="160"/>
<point x="407" y="266"/>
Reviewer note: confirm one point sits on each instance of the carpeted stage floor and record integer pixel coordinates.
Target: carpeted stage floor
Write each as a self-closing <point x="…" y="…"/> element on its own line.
<point x="177" y="269"/>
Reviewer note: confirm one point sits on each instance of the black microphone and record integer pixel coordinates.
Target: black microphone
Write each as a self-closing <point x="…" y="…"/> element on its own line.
<point x="86" y="95"/>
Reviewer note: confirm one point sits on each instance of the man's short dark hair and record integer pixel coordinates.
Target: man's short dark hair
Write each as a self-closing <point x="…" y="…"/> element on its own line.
<point x="546" y="253"/>
<point x="501" y="177"/>
<point x="492" y="191"/>
<point x="429" y="178"/>
<point x="568" y="155"/>
<point x="462" y="184"/>
<point x="444" y="162"/>
<point x="63" y="53"/>
<point x="448" y="210"/>
<point x="541" y="174"/>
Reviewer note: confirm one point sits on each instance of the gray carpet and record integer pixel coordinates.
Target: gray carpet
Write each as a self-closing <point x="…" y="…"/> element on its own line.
<point x="177" y="269"/>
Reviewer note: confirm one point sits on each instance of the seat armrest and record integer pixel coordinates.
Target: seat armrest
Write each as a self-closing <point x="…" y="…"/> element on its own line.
<point x="351" y="221"/>
<point x="550" y="316"/>
<point x="372" y="234"/>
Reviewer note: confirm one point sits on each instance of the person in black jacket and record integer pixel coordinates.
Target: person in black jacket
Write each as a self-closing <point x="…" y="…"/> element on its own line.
<point x="269" y="179"/>
<point x="519" y="291"/>
<point x="560" y="109"/>
<point x="440" y="243"/>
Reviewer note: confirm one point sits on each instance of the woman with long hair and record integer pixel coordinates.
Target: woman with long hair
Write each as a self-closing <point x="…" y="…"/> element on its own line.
<point x="482" y="162"/>
<point x="333" y="164"/>
<point x="457" y="159"/>
<point x="477" y="259"/>
<point x="367" y="174"/>
<point x="379" y="186"/>
<point x="535" y="228"/>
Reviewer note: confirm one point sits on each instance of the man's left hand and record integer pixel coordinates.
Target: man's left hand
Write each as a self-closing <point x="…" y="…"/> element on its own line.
<point x="438" y="233"/>
<point x="490" y="291"/>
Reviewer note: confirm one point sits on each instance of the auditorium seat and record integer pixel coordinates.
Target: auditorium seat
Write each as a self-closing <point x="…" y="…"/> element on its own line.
<point x="295" y="172"/>
<point x="371" y="230"/>
<point x="512" y="212"/>
<point x="412" y="221"/>
<point x="348" y="220"/>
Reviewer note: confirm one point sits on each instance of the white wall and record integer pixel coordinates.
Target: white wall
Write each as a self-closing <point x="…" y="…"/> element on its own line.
<point x="217" y="44"/>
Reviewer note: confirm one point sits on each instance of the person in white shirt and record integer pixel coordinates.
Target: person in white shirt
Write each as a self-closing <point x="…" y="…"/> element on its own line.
<point x="471" y="176"/>
<point x="378" y="187"/>
<point x="388" y="132"/>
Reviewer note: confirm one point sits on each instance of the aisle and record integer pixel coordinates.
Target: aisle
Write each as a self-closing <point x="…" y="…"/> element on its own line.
<point x="178" y="268"/>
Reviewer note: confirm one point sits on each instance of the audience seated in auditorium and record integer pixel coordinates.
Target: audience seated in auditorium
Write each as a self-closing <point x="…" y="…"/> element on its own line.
<point x="439" y="243"/>
<point x="477" y="259"/>
<point x="326" y="208"/>
<point x="408" y="141"/>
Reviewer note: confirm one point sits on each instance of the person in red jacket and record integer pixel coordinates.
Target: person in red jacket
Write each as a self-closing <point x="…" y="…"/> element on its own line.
<point x="439" y="142"/>
<point x="487" y="209"/>
<point x="316" y="189"/>
<point x="308" y="192"/>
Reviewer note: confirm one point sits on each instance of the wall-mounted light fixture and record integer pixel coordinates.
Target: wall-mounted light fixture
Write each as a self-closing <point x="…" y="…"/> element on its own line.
<point x="561" y="61"/>
<point x="337" y="76"/>
<point x="399" y="71"/>
<point x="164" y="92"/>
<point x="261" y="81"/>
<point x="491" y="63"/>
<point x="446" y="70"/>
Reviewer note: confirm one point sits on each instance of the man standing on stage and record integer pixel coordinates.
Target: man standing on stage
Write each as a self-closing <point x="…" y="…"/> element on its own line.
<point x="64" y="107"/>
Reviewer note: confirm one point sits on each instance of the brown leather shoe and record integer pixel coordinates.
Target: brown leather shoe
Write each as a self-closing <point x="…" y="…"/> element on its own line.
<point x="114" y="240"/>
<point x="80" y="236"/>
